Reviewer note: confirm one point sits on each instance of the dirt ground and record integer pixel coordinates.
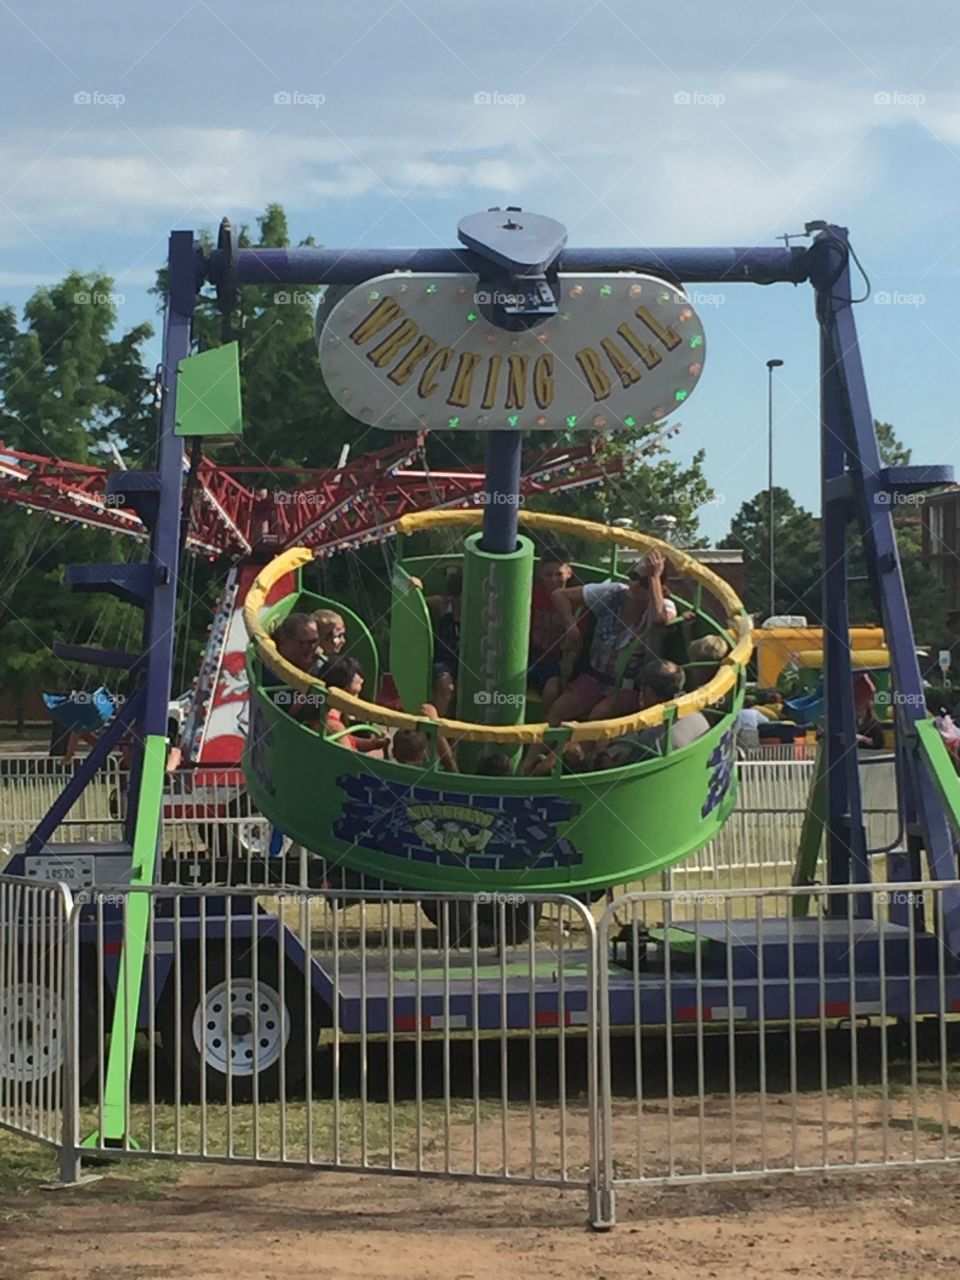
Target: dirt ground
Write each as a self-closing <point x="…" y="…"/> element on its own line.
<point x="233" y="1222"/>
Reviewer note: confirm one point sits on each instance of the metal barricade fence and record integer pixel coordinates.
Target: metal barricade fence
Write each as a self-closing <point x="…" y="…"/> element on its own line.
<point x="334" y="1032"/>
<point x="831" y="1046"/>
<point x="35" y="976"/>
<point x="29" y="784"/>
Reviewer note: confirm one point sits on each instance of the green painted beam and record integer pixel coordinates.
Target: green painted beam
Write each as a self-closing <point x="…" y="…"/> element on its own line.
<point x="132" y="955"/>
<point x="811" y="834"/>
<point x="942" y="769"/>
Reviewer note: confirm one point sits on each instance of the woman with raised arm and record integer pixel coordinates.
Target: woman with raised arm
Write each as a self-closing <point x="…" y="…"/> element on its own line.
<point x="630" y="616"/>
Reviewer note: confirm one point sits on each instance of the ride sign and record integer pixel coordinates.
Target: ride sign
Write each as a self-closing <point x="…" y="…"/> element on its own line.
<point x="411" y="352"/>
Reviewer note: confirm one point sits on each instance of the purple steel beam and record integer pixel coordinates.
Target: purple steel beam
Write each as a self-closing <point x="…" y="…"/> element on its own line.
<point x="502" y="484"/>
<point x="846" y="846"/>
<point x="830" y="274"/>
<point x="159" y="633"/>
<point x="353" y="266"/>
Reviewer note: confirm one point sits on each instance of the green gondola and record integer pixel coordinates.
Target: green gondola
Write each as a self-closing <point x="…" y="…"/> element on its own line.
<point x="419" y="827"/>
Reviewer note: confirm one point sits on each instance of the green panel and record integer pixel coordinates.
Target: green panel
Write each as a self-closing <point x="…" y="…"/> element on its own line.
<point x="208" y="395"/>
<point x="411" y="643"/>
<point x="465" y="833"/>
<point x="494" y="638"/>
<point x="812" y="833"/>
<point x="942" y="769"/>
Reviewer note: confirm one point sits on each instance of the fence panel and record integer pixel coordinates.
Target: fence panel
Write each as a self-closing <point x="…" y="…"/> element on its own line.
<point x="35" y="973"/>
<point x="738" y="1039"/>
<point x="334" y="1031"/>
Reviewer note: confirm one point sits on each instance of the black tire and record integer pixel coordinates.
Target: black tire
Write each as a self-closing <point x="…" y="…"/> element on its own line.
<point x="454" y="922"/>
<point x="228" y="841"/>
<point x="220" y="841"/>
<point x="212" y="1029"/>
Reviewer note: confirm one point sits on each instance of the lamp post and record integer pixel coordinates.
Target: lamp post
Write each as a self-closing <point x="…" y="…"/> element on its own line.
<point x="771" y="365"/>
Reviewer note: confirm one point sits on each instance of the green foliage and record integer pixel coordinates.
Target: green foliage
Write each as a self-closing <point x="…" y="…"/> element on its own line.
<point x="67" y="385"/>
<point x="797" y="556"/>
<point x="71" y="380"/>
<point x="650" y="486"/>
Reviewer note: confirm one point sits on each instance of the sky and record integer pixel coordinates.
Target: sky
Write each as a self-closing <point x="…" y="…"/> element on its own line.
<point x="382" y="124"/>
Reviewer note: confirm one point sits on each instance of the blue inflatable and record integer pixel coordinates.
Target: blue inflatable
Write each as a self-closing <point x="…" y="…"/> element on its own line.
<point x="81" y="712"/>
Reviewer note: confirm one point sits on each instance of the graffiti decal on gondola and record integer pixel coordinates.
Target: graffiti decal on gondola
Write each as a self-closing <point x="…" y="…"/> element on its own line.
<point x="258" y="741"/>
<point x="720" y="764"/>
<point x="482" y="832"/>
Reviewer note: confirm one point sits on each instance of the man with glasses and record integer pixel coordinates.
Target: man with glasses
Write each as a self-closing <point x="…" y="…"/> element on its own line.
<point x="630" y="618"/>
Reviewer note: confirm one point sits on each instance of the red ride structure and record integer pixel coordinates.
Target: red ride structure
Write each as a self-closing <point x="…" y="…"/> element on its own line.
<point x="333" y="509"/>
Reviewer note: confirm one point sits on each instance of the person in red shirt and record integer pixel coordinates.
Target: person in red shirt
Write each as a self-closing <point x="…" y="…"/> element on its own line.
<point x="551" y="642"/>
<point x="346" y="674"/>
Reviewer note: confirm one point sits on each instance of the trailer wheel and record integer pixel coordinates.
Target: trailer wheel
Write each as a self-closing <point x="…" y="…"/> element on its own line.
<point x="453" y="922"/>
<point x="246" y="835"/>
<point x="237" y="1033"/>
<point x="33" y="1033"/>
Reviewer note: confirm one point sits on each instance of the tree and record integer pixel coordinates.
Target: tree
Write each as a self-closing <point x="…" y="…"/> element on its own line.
<point x="796" y="554"/>
<point x="290" y="418"/>
<point x="651" y="485"/>
<point x="66" y="387"/>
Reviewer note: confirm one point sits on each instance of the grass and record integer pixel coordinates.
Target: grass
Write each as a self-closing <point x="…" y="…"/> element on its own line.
<point x="26" y="1167"/>
<point x="299" y="1132"/>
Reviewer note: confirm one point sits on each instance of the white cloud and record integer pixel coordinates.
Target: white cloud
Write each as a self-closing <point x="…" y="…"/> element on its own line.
<point x="623" y="161"/>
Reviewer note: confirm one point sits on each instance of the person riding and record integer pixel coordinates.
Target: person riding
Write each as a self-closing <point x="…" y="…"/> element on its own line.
<point x="445" y="609"/>
<point x="297" y="638"/>
<point x="869" y="729"/>
<point x="347" y="674"/>
<point x="410" y="746"/>
<point x="704" y="657"/>
<point x="659" y="682"/>
<point x="332" y="635"/>
<point x="552" y="644"/>
<point x="629" y="616"/>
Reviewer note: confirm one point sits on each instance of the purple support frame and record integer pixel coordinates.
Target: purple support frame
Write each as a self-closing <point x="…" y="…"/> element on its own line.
<point x="853" y="478"/>
<point x="502" y="484"/>
<point x="146" y="711"/>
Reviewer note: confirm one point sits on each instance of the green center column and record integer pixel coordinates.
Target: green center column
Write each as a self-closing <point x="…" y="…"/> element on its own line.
<point x="494" y="641"/>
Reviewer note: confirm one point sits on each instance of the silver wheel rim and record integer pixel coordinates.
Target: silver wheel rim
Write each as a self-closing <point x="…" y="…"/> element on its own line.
<point x="32" y="1026"/>
<point x="253" y="837"/>
<point x="223" y="1027"/>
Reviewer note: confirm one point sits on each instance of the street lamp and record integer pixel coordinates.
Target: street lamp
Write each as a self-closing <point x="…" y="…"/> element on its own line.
<point x="771" y="365"/>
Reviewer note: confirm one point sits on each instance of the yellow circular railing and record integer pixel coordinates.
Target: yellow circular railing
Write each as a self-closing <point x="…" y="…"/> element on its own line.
<point x="680" y="563"/>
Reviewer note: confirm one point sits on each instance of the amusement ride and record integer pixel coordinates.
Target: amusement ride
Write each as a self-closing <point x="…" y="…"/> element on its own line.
<point x="514" y="332"/>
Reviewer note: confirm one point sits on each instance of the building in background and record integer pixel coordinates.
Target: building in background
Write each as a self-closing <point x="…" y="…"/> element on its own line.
<point x="940" y="514"/>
